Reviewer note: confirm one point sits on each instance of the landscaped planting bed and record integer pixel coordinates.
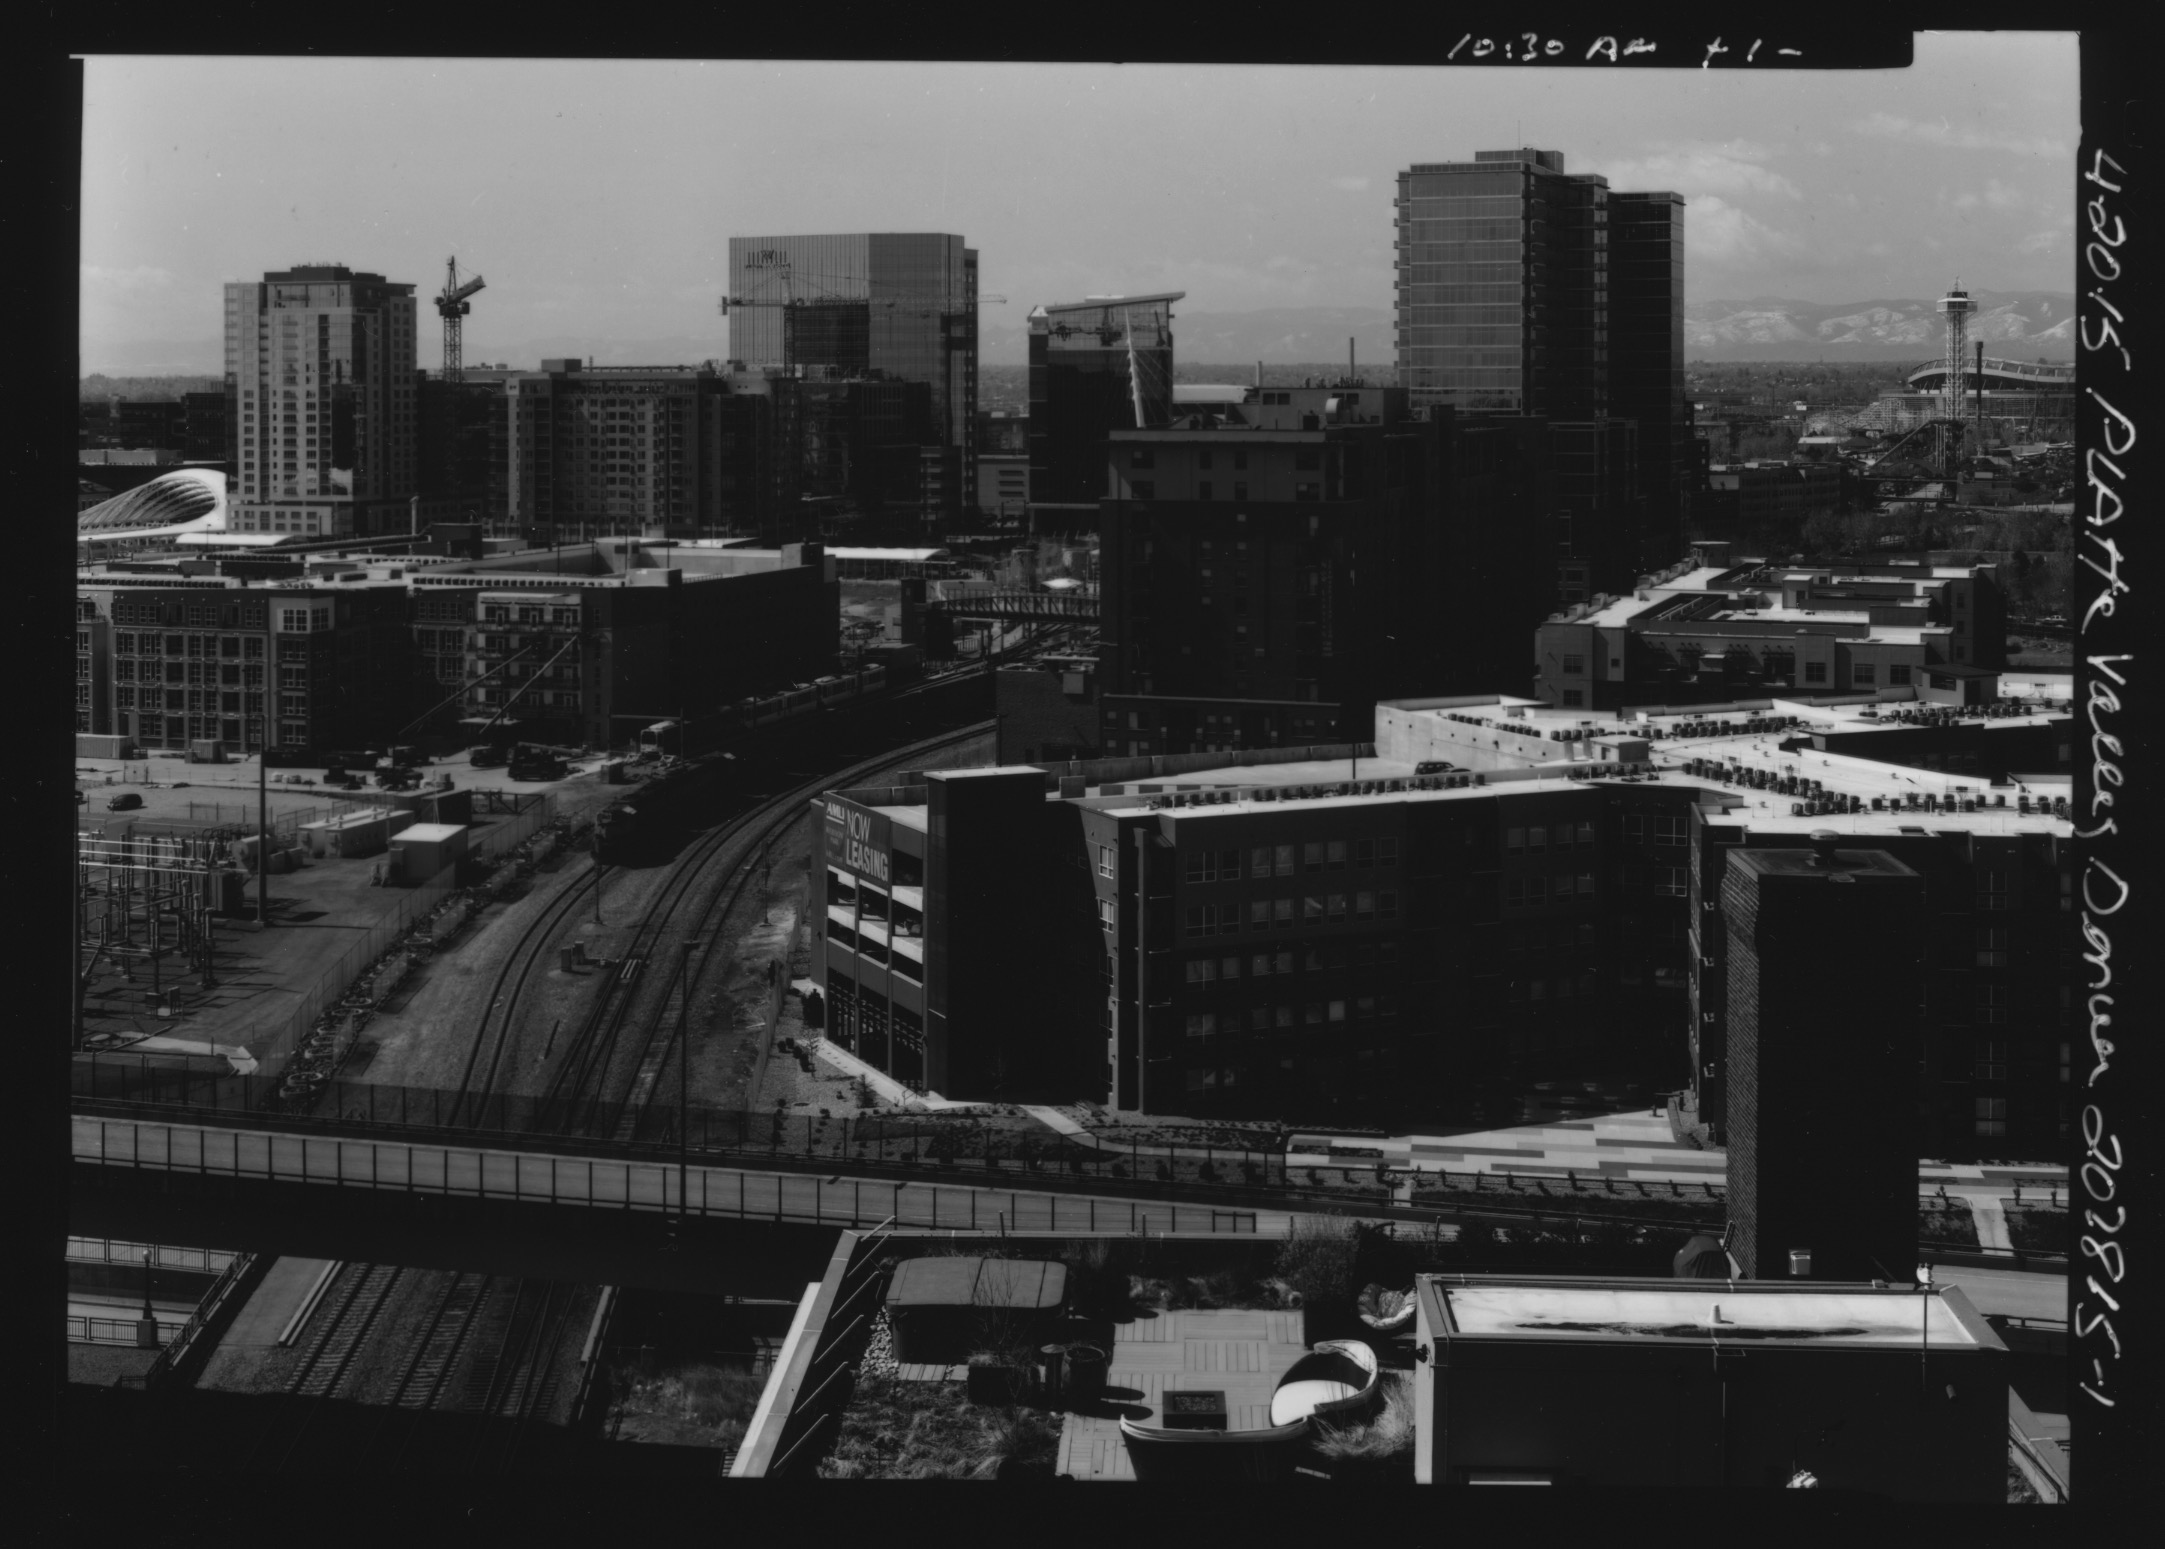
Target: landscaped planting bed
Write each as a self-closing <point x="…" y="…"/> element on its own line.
<point x="1946" y="1223"/>
<point x="2036" y="1228"/>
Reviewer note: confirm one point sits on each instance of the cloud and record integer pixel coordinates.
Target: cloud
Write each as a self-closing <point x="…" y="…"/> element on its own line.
<point x="1997" y="195"/>
<point x="2040" y="242"/>
<point x="125" y="282"/>
<point x="1352" y="185"/>
<point x="1698" y="171"/>
<point x="1718" y="232"/>
<point x="1949" y="137"/>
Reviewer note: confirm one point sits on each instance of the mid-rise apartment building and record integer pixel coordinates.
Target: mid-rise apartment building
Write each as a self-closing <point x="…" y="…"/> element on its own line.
<point x="579" y="644"/>
<point x="1272" y="569"/>
<point x="1710" y="629"/>
<point x="207" y="658"/>
<point x="320" y="392"/>
<point x="1491" y="892"/>
<point x="593" y="451"/>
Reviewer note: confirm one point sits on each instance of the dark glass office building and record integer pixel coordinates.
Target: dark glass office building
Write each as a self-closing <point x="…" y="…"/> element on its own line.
<point x="1096" y="366"/>
<point x="901" y="304"/>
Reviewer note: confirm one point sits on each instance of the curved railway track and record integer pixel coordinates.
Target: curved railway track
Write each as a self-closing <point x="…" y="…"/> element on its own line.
<point x="582" y="1081"/>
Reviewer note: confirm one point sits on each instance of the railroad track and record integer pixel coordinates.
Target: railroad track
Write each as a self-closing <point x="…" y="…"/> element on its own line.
<point x="519" y="1382"/>
<point x="533" y="944"/>
<point x="581" y="1083"/>
<point x="365" y="1288"/>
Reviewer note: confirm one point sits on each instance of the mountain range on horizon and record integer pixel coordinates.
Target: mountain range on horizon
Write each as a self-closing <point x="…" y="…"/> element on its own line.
<point x="1760" y="328"/>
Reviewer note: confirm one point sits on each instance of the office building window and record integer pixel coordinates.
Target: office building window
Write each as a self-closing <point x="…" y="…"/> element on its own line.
<point x="1898" y="672"/>
<point x="1574" y="663"/>
<point x="1202" y="490"/>
<point x="1992" y="947"/>
<point x="1259" y="861"/>
<point x="1108" y="915"/>
<point x="1991" y="1116"/>
<point x="1574" y="699"/>
<point x="1282" y="913"/>
<point x="1202" y="1024"/>
<point x="1202" y="970"/>
<point x="1863" y="674"/>
<point x="1991" y="1060"/>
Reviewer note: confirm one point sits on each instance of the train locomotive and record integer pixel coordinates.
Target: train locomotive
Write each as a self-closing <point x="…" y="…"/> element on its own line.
<point x="661" y="801"/>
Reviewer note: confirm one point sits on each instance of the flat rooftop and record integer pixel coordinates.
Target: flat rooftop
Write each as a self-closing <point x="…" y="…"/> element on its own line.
<point x="1706" y="1312"/>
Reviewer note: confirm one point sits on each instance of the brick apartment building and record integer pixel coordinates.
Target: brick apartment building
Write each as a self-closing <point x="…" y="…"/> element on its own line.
<point x="1292" y="933"/>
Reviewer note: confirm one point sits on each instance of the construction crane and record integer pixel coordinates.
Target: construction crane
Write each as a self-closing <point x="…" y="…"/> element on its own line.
<point x="452" y="306"/>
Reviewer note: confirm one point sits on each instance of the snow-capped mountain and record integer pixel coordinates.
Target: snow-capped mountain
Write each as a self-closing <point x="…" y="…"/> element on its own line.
<point x="2025" y="323"/>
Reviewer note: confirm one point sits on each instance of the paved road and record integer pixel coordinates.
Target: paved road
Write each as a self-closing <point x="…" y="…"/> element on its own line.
<point x="608" y="1184"/>
<point x="2009" y="1293"/>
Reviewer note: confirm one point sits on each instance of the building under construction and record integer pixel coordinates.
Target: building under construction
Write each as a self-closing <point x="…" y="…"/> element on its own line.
<point x="1096" y="366"/>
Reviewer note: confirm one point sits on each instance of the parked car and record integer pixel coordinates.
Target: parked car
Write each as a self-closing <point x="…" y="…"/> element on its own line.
<point x="489" y="758"/>
<point x="125" y="801"/>
<point x="1434" y="766"/>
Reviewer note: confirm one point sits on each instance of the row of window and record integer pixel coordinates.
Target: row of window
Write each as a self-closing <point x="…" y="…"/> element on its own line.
<point x="1316" y="957"/>
<point x="1314" y="1013"/>
<point x="1540" y="892"/>
<point x="1280" y="913"/>
<point x="1278" y="860"/>
<point x="1537" y="838"/>
<point x="231" y="647"/>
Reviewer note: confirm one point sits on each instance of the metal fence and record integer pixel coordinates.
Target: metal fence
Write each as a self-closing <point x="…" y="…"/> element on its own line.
<point x="100" y="1250"/>
<point x="332" y="984"/>
<point x="85" y="1330"/>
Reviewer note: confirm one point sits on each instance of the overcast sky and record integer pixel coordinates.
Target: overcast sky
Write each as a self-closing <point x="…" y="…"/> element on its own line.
<point x="598" y="198"/>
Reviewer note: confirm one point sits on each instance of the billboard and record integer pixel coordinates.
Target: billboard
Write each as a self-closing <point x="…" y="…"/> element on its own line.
<point x="859" y="840"/>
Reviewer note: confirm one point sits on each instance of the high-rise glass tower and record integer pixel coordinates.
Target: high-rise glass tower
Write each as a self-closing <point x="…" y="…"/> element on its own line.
<point x="321" y="396"/>
<point x="1525" y="289"/>
<point x="900" y="303"/>
<point x="1503" y="285"/>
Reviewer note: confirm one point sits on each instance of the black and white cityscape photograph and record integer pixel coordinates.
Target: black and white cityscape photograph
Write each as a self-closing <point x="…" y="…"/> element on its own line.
<point x="1236" y="775"/>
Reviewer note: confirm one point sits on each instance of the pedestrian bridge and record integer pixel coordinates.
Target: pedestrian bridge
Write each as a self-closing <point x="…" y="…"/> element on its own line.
<point x="1067" y="607"/>
<point x="402" y="1164"/>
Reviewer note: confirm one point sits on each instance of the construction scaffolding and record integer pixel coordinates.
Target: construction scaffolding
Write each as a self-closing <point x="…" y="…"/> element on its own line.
<point x="141" y="900"/>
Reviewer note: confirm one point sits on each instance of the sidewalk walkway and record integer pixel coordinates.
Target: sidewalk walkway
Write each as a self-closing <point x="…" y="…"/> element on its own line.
<point x="1628" y="1147"/>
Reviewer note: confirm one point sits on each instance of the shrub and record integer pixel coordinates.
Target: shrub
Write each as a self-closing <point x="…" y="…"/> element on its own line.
<point x="1317" y="1259"/>
<point x="1386" y="1438"/>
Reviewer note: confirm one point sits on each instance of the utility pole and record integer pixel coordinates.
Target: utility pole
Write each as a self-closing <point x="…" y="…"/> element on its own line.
<point x="263" y="778"/>
<point x="684" y="1078"/>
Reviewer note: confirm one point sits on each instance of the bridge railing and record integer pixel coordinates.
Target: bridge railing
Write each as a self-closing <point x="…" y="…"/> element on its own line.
<point x="902" y="1149"/>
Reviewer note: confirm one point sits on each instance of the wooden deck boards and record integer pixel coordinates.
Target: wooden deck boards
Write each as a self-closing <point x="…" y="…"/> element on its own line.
<point x="1241" y="1354"/>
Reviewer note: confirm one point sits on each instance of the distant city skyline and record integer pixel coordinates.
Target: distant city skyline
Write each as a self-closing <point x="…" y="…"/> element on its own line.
<point x="598" y="197"/>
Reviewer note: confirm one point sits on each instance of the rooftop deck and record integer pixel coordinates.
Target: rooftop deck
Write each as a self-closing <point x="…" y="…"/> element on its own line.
<point x="1241" y="1354"/>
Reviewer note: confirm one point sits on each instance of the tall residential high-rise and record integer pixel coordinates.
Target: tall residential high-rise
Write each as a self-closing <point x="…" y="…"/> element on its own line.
<point x="1096" y="366"/>
<point x="320" y="387"/>
<point x="903" y="304"/>
<point x="1524" y="289"/>
<point x="1646" y="359"/>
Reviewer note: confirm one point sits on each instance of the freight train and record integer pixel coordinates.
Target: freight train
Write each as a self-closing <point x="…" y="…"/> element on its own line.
<point x="663" y="798"/>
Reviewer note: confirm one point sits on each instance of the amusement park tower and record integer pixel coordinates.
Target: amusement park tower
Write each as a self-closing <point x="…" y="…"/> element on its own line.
<point x="1956" y="306"/>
